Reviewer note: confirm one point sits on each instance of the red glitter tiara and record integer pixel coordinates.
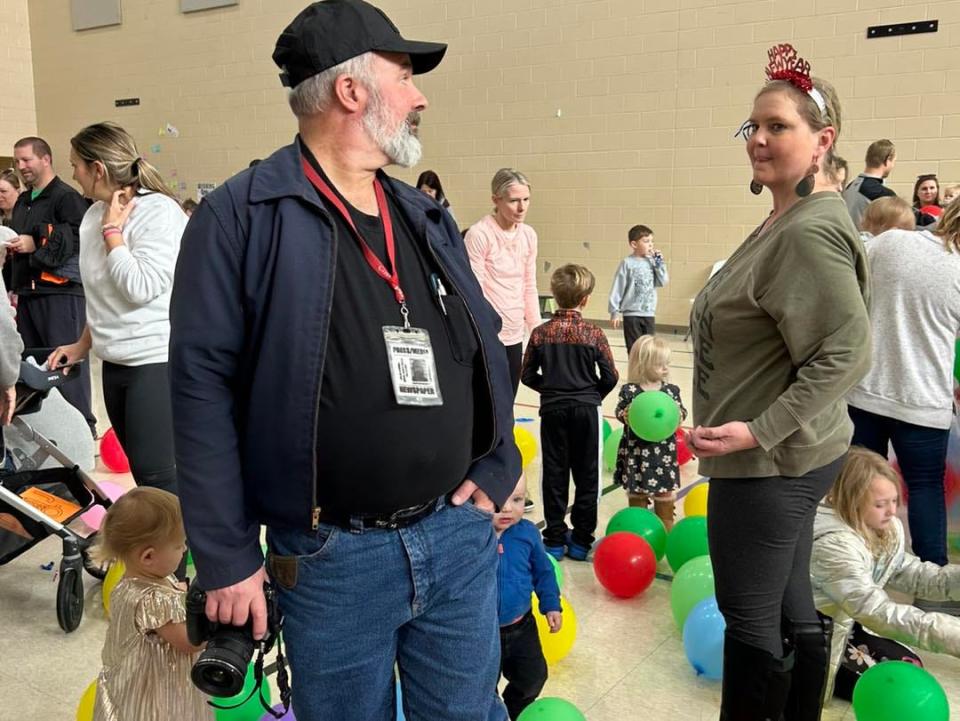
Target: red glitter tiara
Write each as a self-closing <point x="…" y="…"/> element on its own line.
<point x="786" y="64"/>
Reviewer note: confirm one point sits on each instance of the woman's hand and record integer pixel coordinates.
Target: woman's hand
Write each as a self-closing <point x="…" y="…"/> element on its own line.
<point x="66" y="355"/>
<point x="121" y="205"/>
<point x="721" y="440"/>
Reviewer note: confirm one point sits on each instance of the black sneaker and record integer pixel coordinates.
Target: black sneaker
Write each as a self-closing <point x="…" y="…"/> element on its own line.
<point x="528" y="505"/>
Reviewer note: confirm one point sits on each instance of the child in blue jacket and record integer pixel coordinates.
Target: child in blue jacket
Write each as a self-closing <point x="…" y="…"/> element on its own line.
<point x="524" y="569"/>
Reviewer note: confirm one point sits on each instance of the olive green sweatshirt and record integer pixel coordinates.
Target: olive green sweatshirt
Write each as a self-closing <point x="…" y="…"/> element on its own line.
<point x="780" y="335"/>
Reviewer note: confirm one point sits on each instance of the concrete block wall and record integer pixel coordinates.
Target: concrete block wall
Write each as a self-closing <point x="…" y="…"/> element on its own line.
<point x="620" y="111"/>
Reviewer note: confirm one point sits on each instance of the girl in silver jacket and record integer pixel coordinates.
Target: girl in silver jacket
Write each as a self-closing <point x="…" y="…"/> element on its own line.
<point x="858" y="555"/>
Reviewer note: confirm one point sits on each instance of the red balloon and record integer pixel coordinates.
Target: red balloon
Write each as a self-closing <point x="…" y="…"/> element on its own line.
<point x="112" y="453"/>
<point x="684" y="454"/>
<point x="625" y="564"/>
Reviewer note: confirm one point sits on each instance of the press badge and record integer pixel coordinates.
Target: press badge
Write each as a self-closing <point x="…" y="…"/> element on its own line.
<point x="412" y="367"/>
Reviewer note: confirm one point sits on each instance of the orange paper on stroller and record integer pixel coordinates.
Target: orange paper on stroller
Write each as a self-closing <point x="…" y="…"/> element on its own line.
<point x="57" y="508"/>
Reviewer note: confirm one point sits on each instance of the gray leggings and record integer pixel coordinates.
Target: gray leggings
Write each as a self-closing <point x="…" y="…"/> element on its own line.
<point x="761" y="534"/>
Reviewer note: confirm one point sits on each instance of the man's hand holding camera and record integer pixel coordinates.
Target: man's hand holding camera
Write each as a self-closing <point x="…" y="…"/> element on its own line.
<point x="233" y="605"/>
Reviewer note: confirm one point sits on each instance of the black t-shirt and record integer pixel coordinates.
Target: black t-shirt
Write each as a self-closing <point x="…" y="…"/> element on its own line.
<point x="374" y="455"/>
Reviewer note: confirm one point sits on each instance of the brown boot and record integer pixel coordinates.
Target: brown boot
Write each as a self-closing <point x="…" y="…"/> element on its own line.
<point x="664" y="508"/>
<point x="638" y="500"/>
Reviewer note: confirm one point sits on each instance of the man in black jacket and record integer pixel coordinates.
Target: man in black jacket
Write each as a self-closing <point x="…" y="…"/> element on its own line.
<point x="868" y="186"/>
<point x="46" y="266"/>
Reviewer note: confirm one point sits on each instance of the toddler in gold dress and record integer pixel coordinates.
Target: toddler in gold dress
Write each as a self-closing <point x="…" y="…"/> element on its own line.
<point x="146" y="655"/>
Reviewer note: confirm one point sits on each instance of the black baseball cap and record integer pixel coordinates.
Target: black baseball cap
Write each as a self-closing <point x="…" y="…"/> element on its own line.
<point x="331" y="31"/>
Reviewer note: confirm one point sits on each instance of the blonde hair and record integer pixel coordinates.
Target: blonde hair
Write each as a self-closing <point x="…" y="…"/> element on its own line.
<point x="140" y="518"/>
<point x="886" y="213"/>
<point x="570" y="284"/>
<point x="953" y="188"/>
<point x="850" y="494"/>
<point x="810" y="112"/>
<point x="648" y="354"/>
<point x="948" y="228"/>
<point x="504" y="178"/>
<point x="113" y="147"/>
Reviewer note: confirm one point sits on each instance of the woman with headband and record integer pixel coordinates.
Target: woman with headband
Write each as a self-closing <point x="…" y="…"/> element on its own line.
<point x="780" y="335"/>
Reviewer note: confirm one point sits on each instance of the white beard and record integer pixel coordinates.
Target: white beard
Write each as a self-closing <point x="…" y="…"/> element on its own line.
<point x="401" y="146"/>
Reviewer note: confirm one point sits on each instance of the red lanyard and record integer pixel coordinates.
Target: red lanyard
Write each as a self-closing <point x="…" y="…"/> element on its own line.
<point x="392" y="278"/>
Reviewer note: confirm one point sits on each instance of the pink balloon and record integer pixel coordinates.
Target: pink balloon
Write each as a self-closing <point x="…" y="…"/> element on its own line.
<point x="93" y="516"/>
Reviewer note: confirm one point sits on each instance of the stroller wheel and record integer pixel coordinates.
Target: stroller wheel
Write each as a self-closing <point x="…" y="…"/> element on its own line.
<point x="69" y="599"/>
<point x="89" y="565"/>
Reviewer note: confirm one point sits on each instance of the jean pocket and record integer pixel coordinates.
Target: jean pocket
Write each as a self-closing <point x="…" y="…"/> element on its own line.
<point x="289" y="550"/>
<point x="477" y="511"/>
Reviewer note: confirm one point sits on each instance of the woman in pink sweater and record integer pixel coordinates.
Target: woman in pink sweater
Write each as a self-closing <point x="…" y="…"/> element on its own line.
<point x="503" y="254"/>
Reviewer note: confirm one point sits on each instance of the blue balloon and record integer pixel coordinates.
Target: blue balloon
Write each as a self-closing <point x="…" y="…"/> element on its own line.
<point x="703" y="639"/>
<point x="400" y="716"/>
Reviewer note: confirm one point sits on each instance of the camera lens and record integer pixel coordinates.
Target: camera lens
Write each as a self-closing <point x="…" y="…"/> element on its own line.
<point x="222" y="666"/>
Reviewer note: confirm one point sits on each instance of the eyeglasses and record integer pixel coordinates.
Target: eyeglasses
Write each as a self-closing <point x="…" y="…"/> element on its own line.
<point x="928" y="176"/>
<point x="746" y="130"/>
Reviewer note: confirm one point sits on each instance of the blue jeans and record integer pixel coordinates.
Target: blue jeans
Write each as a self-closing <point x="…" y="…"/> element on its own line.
<point x="922" y="456"/>
<point x="423" y="598"/>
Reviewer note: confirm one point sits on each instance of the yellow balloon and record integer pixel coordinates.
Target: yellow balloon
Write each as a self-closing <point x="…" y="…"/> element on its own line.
<point x="695" y="504"/>
<point x="526" y="444"/>
<point x="113" y="577"/>
<point x="556" y="645"/>
<point x="85" y="709"/>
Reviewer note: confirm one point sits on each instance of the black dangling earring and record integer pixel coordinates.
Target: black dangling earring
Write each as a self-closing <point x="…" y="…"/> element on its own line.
<point x="805" y="186"/>
<point x="755" y="187"/>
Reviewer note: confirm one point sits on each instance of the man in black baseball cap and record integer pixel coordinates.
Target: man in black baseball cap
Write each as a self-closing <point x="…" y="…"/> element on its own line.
<point x="337" y="377"/>
<point x="327" y="33"/>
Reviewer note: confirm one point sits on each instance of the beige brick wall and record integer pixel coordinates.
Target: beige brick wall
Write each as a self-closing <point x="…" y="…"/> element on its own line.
<point x="649" y="94"/>
<point x="18" y="112"/>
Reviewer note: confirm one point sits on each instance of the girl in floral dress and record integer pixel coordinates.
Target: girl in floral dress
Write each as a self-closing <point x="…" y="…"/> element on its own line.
<point x="648" y="470"/>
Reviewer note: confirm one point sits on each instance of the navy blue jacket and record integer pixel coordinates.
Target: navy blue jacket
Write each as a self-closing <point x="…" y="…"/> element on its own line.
<point x="525" y="568"/>
<point x="249" y="320"/>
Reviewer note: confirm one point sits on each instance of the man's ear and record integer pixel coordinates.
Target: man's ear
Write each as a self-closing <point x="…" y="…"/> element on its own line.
<point x="350" y="93"/>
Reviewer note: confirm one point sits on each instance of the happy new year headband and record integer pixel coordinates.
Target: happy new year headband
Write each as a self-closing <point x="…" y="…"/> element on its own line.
<point x="787" y="65"/>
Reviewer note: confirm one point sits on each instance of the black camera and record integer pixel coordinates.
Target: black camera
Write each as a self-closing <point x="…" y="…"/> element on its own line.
<point x="221" y="668"/>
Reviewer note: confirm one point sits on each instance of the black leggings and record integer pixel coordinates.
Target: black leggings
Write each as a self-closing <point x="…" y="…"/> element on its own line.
<point x="138" y="404"/>
<point x="515" y="361"/>
<point x="761" y="535"/>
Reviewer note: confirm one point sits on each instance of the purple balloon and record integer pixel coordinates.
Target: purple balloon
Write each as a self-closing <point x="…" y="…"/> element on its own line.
<point x="288" y="716"/>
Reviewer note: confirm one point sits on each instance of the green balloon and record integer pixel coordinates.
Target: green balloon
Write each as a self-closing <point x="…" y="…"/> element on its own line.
<point x="610" y="447"/>
<point x="643" y="523"/>
<point x="956" y="361"/>
<point x="687" y="540"/>
<point x="551" y="709"/>
<point x="249" y="711"/>
<point x="692" y="584"/>
<point x="654" y="416"/>
<point x="896" y="691"/>
<point x="557" y="570"/>
<point x="607" y="430"/>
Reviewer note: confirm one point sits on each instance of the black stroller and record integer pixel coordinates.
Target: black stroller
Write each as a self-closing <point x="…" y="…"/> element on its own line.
<point x="36" y="502"/>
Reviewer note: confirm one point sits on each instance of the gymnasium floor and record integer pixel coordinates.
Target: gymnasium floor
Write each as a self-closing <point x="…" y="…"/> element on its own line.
<point x="627" y="662"/>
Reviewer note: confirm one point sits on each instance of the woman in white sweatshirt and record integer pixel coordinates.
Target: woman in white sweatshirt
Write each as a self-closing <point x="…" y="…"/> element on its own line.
<point x="907" y="397"/>
<point x="859" y="554"/>
<point x="129" y="241"/>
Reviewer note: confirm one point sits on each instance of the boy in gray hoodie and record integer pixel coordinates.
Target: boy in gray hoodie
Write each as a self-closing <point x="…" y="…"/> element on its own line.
<point x="633" y="297"/>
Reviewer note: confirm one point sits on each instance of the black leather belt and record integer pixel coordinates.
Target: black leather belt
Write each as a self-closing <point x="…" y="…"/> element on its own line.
<point x="383" y="521"/>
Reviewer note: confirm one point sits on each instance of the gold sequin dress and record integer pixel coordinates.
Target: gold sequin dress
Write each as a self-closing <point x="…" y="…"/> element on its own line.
<point x="144" y="678"/>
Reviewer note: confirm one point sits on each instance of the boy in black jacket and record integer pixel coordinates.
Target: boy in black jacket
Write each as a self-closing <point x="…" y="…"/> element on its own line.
<point x="568" y="362"/>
